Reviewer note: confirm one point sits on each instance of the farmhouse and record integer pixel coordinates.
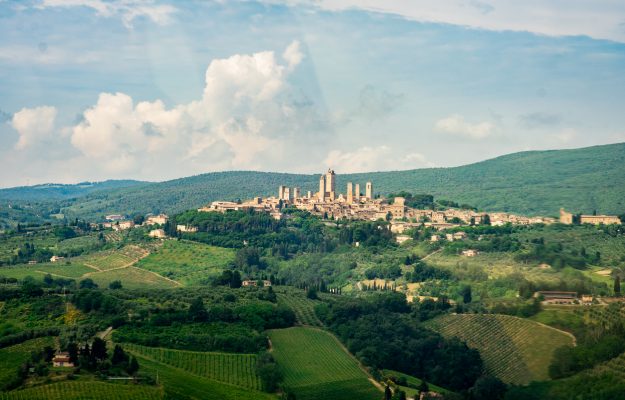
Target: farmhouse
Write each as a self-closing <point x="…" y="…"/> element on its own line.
<point x="56" y="258"/>
<point x="157" y="233"/>
<point x="470" y="253"/>
<point x="123" y="225"/>
<point x="557" y="297"/>
<point x="160" y="219"/>
<point x="114" y="217"/>
<point x="62" y="360"/>
<point x="402" y="238"/>
<point x="250" y="282"/>
<point x="186" y="228"/>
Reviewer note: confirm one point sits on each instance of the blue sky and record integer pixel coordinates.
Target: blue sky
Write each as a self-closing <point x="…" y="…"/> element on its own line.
<point x="95" y="89"/>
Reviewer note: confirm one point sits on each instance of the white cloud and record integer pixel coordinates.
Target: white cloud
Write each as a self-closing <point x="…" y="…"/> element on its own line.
<point x="127" y="10"/>
<point x="245" y="119"/>
<point x="381" y="158"/>
<point x="457" y="125"/>
<point x="293" y="55"/>
<point x="33" y="125"/>
<point x="598" y="18"/>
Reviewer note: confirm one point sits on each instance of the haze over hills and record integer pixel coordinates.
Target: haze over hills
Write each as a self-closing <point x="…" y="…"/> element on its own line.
<point x="533" y="182"/>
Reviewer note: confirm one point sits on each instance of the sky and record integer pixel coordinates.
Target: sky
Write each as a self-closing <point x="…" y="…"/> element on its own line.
<point x="126" y="89"/>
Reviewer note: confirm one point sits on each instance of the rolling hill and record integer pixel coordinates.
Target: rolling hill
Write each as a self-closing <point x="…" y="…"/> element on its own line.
<point x="534" y="182"/>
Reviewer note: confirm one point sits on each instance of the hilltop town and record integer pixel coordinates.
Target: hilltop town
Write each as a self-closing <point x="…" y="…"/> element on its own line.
<point x="353" y="204"/>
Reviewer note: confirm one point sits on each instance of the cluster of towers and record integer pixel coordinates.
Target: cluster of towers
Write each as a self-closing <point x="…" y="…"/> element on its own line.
<point x="327" y="191"/>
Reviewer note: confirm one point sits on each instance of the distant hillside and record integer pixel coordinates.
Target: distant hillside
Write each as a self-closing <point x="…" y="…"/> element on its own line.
<point x="535" y="182"/>
<point x="55" y="191"/>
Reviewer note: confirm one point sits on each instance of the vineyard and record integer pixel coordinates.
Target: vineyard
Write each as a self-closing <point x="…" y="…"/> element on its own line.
<point x="303" y="307"/>
<point x="315" y="366"/>
<point x="513" y="349"/>
<point x="88" y="390"/>
<point x="187" y="262"/>
<point x="602" y="316"/>
<point x="180" y="384"/>
<point x="12" y="357"/>
<point x="108" y="260"/>
<point x="235" y="369"/>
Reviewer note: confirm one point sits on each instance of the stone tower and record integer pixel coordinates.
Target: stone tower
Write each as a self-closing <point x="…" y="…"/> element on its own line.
<point x="296" y="193"/>
<point x="322" y="187"/>
<point x="357" y="193"/>
<point x="350" y="193"/>
<point x="369" y="193"/>
<point x="330" y="182"/>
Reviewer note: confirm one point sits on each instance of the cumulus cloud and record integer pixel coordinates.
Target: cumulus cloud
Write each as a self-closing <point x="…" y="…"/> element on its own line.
<point x="368" y="158"/>
<point x="127" y="10"/>
<point x="457" y="125"/>
<point x="248" y="115"/>
<point x="34" y="125"/>
<point x="293" y="55"/>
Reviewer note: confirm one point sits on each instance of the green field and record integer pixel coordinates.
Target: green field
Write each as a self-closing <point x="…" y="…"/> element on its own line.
<point x="132" y="278"/>
<point x="303" y="307"/>
<point x="38" y="271"/>
<point x="187" y="262"/>
<point x="181" y="384"/>
<point x="86" y="390"/>
<point x="513" y="349"/>
<point x="316" y="366"/>
<point x="235" y="369"/>
<point x="113" y="259"/>
<point x="12" y="357"/>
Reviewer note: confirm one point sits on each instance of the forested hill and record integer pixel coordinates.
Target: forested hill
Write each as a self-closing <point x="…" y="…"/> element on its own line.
<point x="535" y="182"/>
<point x="55" y="191"/>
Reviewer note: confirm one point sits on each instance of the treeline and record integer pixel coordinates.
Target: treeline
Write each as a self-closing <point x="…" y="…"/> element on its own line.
<point x="384" y="333"/>
<point x="219" y="327"/>
<point x="557" y="256"/>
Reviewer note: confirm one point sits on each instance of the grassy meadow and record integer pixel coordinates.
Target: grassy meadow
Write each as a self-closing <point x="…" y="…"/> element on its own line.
<point x="187" y="262"/>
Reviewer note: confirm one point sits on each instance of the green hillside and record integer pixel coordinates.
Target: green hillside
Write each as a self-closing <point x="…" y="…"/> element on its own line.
<point x="535" y="182"/>
<point x="514" y="350"/>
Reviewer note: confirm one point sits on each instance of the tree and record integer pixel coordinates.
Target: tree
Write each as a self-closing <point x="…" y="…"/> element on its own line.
<point x="488" y="388"/>
<point x="235" y="281"/>
<point x="98" y="349"/>
<point x="72" y="350"/>
<point x="617" y="286"/>
<point x="48" y="280"/>
<point x="197" y="311"/>
<point x="115" y="285"/>
<point x="311" y="293"/>
<point x="423" y="387"/>
<point x="387" y="393"/>
<point x="88" y="284"/>
<point x="133" y="366"/>
<point x="119" y="355"/>
<point x="465" y="292"/>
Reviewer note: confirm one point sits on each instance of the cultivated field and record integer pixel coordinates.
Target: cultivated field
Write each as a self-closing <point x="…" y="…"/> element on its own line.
<point x="303" y="307"/>
<point x="187" y="262"/>
<point x="315" y="366"/>
<point x="12" y="357"/>
<point x="513" y="349"/>
<point x="235" y="369"/>
<point x="180" y="384"/>
<point x="87" y="390"/>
